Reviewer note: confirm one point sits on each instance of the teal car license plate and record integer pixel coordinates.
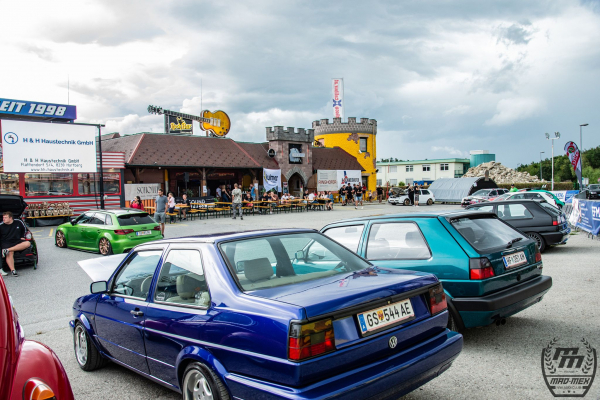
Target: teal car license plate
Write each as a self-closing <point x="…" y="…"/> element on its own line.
<point x="514" y="260"/>
<point x="143" y="233"/>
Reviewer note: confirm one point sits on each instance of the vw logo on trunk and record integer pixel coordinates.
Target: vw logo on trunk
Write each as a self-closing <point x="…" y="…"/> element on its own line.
<point x="393" y="342"/>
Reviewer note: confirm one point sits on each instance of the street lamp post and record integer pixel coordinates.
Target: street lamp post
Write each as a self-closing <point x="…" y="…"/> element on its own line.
<point x="541" y="178"/>
<point x="557" y="136"/>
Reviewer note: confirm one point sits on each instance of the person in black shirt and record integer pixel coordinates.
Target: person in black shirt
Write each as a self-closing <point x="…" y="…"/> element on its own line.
<point x="358" y="196"/>
<point x="349" y="193"/>
<point x="12" y="238"/>
<point x="380" y="194"/>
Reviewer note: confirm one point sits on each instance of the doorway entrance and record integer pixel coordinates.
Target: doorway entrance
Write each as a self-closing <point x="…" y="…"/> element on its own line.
<point x="295" y="185"/>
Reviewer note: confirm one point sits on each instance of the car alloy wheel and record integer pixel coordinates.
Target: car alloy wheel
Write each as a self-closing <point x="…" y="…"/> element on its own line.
<point x="429" y="202"/>
<point x="81" y="347"/>
<point x="88" y="357"/>
<point x="407" y="202"/>
<point x="61" y="241"/>
<point x="200" y="383"/>
<point x="105" y="247"/>
<point x="538" y="240"/>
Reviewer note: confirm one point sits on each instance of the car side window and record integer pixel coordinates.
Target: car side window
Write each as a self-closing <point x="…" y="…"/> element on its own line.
<point x="425" y="192"/>
<point x="397" y="241"/>
<point x="513" y="211"/>
<point x="348" y="236"/>
<point x="108" y="220"/>
<point x="85" y="218"/>
<point x="182" y="280"/>
<point x="97" y="219"/>
<point x="486" y="208"/>
<point x="493" y="193"/>
<point x="135" y="276"/>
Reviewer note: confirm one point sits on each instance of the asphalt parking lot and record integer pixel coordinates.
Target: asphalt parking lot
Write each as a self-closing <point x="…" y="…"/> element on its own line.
<point x="496" y="362"/>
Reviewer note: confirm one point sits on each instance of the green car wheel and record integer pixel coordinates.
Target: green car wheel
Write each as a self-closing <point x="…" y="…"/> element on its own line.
<point x="60" y="240"/>
<point x="105" y="247"/>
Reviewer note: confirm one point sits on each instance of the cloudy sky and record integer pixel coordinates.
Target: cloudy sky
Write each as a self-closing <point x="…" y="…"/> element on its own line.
<point x="440" y="77"/>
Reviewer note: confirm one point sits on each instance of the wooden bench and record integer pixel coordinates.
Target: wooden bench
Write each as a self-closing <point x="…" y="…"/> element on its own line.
<point x="171" y="215"/>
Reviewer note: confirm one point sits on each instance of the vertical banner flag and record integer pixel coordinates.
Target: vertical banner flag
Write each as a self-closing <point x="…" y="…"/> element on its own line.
<point x="338" y="97"/>
<point x="272" y="179"/>
<point x="575" y="158"/>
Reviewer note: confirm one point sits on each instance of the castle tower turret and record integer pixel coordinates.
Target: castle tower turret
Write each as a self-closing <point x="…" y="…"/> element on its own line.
<point x="356" y="138"/>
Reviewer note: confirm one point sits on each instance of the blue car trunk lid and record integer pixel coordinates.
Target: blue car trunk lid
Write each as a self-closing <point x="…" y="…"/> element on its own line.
<point x="329" y="296"/>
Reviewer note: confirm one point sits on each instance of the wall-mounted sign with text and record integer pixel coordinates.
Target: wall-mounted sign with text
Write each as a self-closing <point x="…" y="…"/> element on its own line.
<point x="43" y="147"/>
<point x="36" y="109"/>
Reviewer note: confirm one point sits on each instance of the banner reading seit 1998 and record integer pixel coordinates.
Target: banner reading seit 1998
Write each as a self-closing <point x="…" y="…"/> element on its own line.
<point x="43" y="147"/>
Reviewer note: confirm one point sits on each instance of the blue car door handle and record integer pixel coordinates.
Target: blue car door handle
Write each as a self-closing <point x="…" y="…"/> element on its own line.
<point x="137" y="313"/>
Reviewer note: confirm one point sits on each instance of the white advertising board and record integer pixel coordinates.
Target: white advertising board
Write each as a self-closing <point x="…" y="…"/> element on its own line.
<point x="327" y="180"/>
<point x="42" y="147"/>
<point x="272" y="179"/>
<point x="349" y="177"/>
<point x="146" y="191"/>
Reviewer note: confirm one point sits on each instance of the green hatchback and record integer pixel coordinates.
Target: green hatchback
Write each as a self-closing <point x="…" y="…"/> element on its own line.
<point x="108" y="231"/>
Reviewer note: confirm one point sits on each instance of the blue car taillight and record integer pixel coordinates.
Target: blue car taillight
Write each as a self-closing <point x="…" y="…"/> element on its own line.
<point x="311" y="339"/>
<point x="437" y="300"/>
<point x="480" y="268"/>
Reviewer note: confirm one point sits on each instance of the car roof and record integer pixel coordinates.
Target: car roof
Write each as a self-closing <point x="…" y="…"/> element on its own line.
<point x="120" y="211"/>
<point x="516" y="201"/>
<point x="222" y="237"/>
<point x="431" y="214"/>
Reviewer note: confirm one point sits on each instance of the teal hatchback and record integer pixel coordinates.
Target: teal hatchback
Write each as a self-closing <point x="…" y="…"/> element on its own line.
<point x="489" y="270"/>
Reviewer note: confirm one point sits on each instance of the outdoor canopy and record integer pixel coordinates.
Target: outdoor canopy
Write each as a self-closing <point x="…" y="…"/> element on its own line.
<point x="453" y="190"/>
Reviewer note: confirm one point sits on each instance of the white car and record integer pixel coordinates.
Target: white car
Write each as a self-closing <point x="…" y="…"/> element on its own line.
<point x="425" y="197"/>
<point x="531" y="196"/>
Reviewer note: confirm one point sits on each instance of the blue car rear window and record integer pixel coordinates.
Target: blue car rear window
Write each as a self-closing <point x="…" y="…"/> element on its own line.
<point x="485" y="233"/>
<point x="278" y="260"/>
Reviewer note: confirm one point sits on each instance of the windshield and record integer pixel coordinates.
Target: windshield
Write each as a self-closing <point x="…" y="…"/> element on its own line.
<point x="485" y="233"/>
<point x="594" y="187"/>
<point x="550" y="208"/>
<point x="135" y="219"/>
<point x="279" y="260"/>
<point x="482" y="192"/>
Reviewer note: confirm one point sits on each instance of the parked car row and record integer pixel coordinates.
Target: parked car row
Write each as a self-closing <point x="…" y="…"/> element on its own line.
<point x="367" y="307"/>
<point x="482" y="195"/>
<point x="401" y="198"/>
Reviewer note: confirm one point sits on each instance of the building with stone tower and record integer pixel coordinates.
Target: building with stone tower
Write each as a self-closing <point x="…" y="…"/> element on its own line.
<point x="356" y="138"/>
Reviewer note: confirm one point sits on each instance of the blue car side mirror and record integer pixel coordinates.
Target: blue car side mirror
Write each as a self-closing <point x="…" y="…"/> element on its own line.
<point x="99" y="287"/>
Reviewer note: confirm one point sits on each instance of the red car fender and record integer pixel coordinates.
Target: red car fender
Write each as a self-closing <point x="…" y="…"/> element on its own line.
<point x="39" y="361"/>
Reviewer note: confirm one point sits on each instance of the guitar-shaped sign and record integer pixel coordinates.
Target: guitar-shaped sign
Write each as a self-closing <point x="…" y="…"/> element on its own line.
<point x="217" y="123"/>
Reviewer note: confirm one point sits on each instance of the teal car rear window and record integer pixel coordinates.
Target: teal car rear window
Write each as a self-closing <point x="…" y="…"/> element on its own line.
<point x="135" y="219"/>
<point x="485" y="233"/>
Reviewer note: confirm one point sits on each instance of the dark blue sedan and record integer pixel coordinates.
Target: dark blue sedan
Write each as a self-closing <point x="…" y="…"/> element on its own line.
<point x="271" y="315"/>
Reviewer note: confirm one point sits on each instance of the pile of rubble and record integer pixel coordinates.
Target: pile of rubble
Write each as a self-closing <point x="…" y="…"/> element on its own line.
<point x="500" y="174"/>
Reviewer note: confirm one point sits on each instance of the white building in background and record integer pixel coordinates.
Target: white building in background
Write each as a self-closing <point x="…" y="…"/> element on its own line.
<point x="420" y="171"/>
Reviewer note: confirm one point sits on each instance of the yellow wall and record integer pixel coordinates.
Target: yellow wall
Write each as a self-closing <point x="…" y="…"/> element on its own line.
<point x="346" y="142"/>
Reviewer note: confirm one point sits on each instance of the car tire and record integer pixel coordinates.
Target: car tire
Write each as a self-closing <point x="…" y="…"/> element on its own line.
<point x="454" y="321"/>
<point x="200" y="382"/>
<point x="104" y="247"/>
<point x="87" y="355"/>
<point x="407" y="202"/>
<point x="429" y="202"/>
<point x="538" y="240"/>
<point x="60" y="240"/>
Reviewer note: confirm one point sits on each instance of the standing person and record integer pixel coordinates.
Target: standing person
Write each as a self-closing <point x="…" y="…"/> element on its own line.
<point x="411" y="195"/>
<point x="417" y="192"/>
<point x="349" y="193"/>
<point x="137" y="203"/>
<point x="253" y="192"/>
<point x="12" y="238"/>
<point x="358" y="196"/>
<point x="236" y="201"/>
<point x="513" y="188"/>
<point x="171" y="204"/>
<point x="219" y="192"/>
<point x="185" y="202"/>
<point x="160" y="213"/>
<point x="342" y="194"/>
<point x="380" y="193"/>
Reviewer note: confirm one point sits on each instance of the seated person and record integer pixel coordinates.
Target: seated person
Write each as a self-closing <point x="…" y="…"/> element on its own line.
<point x="247" y="200"/>
<point x="12" y="238"/>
